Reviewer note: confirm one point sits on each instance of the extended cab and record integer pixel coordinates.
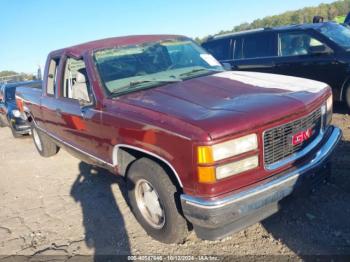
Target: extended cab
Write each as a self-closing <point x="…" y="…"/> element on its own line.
<point x="196" y="144"/>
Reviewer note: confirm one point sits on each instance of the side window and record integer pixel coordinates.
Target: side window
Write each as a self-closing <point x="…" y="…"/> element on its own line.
<point x="75" y="83"/>
<point x="298" y="43"/>
<point x="52" y="77"/>
<point x="259" y="45"/>
<point x="220" y="49"/>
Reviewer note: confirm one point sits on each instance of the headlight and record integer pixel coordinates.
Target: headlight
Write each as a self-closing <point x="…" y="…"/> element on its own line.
<point x="16" y="113"/>
<point x="210" y="154"/>
<point x="235" y="168"/>
<point x="329" y="105"/>
<point x="210" y="174"/>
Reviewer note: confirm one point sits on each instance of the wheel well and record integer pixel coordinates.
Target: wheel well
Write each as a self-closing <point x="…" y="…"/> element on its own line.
<point x="123" y="157"/>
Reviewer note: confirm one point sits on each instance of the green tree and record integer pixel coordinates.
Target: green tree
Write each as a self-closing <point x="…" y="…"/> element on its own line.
<point x="305" y="15"/>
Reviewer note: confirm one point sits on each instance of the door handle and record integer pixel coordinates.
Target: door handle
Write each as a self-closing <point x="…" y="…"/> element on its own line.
<point x="268" y="65"/>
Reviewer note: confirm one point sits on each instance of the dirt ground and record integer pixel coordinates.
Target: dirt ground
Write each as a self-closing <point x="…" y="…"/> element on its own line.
<point x="63" y="207"/>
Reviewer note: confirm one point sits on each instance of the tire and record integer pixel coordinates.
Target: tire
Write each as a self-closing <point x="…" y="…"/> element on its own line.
<point x="347" y="96"/>
<point x="172" y="227"/>
<point x="43" y="143"/>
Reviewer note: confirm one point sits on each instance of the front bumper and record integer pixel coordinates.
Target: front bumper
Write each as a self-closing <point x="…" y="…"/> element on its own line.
<point x="215" y="219"/>
<point x="20" y="126"/>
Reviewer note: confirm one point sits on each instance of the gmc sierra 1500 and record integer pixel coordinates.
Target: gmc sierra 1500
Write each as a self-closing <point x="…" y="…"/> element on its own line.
<point x="196" y="144"/>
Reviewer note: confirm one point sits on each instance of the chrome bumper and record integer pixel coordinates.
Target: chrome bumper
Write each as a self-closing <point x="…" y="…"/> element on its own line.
<point x="213" y="219"/>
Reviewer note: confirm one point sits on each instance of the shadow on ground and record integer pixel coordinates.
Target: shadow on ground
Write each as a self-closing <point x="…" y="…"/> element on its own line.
<point x="103" y="222"/>
<point x="318" y="222"/>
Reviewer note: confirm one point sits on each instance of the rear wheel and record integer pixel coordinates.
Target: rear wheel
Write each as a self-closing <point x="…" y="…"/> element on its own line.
<point x="45" y="146"/>
<point x="154" y="200"/>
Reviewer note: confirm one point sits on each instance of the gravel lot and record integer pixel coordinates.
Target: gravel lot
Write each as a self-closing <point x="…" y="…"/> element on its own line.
<point x="61" y="206"/>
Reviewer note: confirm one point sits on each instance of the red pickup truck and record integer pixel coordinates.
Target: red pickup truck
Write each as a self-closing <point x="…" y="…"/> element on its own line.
<point x="198" y="146"/>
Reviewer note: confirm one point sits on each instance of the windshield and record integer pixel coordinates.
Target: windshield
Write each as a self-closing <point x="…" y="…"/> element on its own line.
<point x="131" y="68"/>
<point x="337" y="33"/>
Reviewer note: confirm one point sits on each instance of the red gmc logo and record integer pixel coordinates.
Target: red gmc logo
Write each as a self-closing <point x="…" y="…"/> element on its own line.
<point x="302" y="136"/>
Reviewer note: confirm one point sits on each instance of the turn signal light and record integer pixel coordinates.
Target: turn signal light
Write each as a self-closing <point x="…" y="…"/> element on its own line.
<point x="206" y="175"/>
<point x="19" y="104"/>
<point x="205" y="155"/>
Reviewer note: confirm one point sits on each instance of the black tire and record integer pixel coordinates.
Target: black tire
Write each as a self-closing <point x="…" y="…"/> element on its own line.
<point x="175" y="227"/>
<point x="347" y="96"/>
<point x="45" y="146"/>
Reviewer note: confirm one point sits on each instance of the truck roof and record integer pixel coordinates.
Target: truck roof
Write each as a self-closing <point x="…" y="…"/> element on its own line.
<point x="78" y="50"/>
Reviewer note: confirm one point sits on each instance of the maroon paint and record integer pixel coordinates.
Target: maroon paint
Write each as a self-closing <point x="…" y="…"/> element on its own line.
<point x="170" y="120"/>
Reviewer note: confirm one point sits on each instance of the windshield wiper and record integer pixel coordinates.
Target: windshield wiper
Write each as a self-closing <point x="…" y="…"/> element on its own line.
<point x="134" y="84"/>
<point x="199" y="70"/>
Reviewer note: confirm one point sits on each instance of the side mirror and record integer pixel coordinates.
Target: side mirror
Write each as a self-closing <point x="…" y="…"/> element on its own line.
<point x="83" y="103"/>
<point x="320" y="50"/>
<point x="227" y="66"/>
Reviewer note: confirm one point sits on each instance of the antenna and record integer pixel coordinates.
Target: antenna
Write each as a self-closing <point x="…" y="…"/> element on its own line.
<point x="39" y="76"/>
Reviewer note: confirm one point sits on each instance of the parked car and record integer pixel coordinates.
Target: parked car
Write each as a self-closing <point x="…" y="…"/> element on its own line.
<point x="196" y="144"/>
<point x="318" y="51"/>
<point x="9" y="114"/>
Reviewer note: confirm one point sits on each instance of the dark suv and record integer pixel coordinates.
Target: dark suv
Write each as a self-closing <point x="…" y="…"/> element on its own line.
<point x="315" y="51"/>
<point x="9" y="113"/>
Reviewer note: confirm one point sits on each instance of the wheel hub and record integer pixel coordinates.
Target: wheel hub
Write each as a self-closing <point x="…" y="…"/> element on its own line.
<point x="149" y="204"/>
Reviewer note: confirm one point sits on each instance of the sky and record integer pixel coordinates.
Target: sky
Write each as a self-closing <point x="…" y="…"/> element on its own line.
<point x="30" y="29"/>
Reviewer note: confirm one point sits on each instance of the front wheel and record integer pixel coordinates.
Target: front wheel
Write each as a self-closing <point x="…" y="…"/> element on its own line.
<point x="347" y="96"/>
<point x="45" y="146"/>
<point x="154" y="200"/>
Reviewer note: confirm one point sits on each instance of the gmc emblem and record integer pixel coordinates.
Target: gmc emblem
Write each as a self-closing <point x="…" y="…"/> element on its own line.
<point x="302" y="136"/>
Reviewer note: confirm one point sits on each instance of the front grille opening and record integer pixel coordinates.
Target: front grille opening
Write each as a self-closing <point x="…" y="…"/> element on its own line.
<point x="278" y="143"/>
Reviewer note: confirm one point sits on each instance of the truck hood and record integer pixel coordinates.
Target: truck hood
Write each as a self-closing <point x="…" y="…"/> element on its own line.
<point x="229" y="102"/>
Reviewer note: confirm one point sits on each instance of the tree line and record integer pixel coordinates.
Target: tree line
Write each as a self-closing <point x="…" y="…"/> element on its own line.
<point x="7" y="75"/>
<point x="304" y="15"/>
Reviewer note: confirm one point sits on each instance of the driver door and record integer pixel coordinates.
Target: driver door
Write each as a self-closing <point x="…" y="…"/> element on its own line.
<point x="76" y="109"/>
<point x="302" y="54"/>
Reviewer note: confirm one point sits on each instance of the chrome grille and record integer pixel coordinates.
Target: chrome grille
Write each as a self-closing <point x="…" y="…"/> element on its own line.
<point x="278" y="141"/>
